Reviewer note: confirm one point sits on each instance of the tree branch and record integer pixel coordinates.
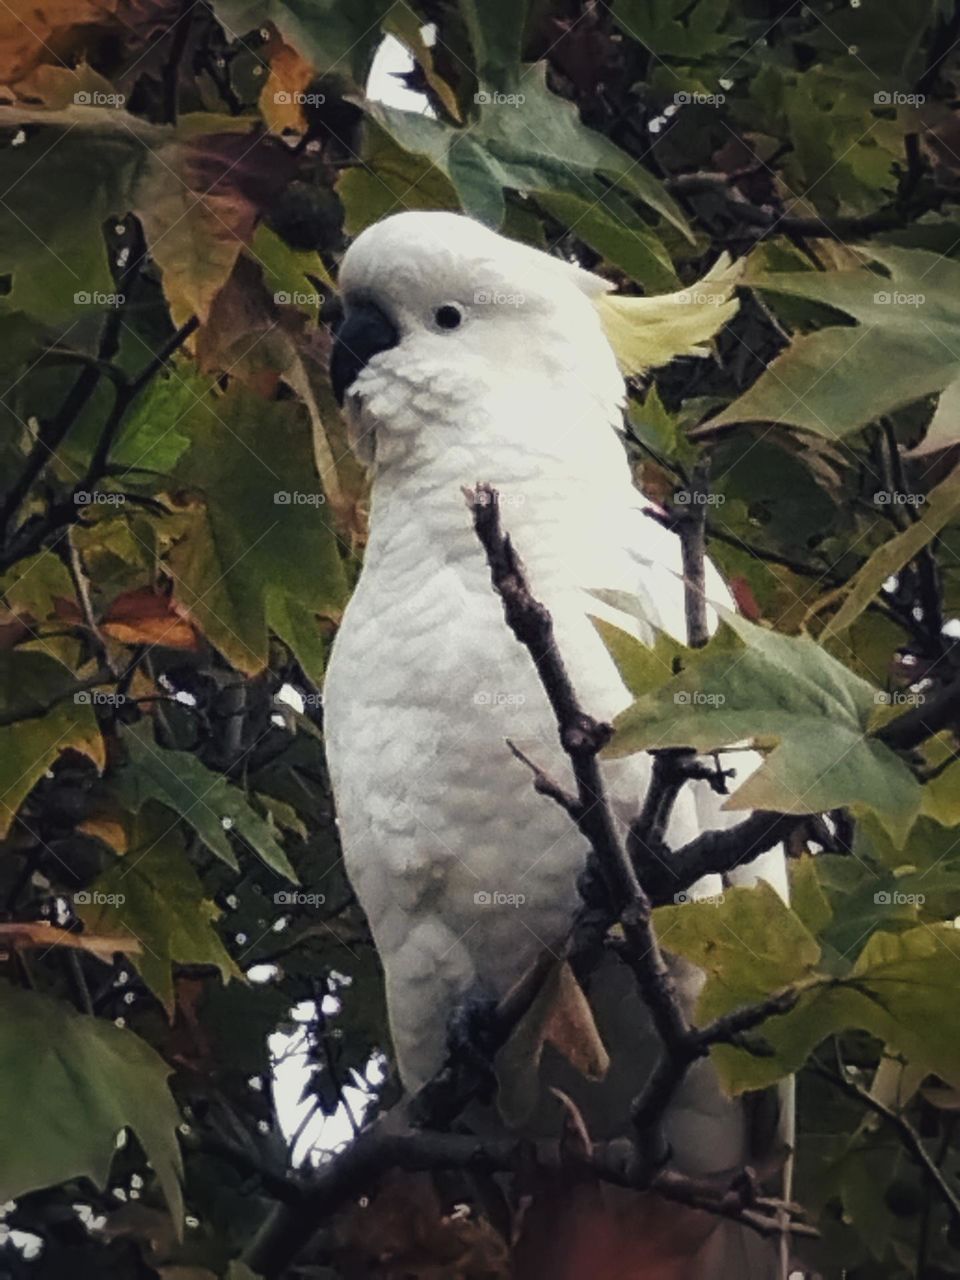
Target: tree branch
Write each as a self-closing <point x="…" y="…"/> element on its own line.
<point x="400" y="1139"/>
<point x="377" y="1150"/>
<point x="766" y="218"/>
<point x="32" y="533"/>
<point x="582" y="738"/>
<point x="905" y="1130"/>
<point x="921" y="722"/>
<point x="717" y="852"/>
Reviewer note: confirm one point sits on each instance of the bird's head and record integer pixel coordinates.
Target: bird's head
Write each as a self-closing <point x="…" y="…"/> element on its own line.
<point x="441" y="315"/>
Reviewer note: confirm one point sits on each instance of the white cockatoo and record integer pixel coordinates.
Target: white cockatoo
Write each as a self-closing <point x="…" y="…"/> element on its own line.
<point x="464" y="356"/>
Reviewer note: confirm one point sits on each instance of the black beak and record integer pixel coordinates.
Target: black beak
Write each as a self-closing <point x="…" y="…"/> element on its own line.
<point x="363" y="332"/>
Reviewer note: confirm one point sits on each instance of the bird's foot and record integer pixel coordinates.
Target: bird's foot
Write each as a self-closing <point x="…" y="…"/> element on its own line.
<point x="473" y="1039"/>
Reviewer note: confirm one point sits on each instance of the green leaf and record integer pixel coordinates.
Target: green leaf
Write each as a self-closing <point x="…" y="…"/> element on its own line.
<point x="34" y="585"/>
<point x="907" y="325"/>
<point x="211" y="804"/>
<point x="751" y="945"/>
<point x="290" y="271"/>
<point x="941" y="794"/>
<point x="391" y="179"/>
<point x="496" y="28"/>
<point x="69" y="1084"/>
<point x="153" y="893"/>
<point x="807" y="897"/>
<point x="675" y="28"/>
<point x="538" y="144"/>
<point x="282" y="814"/>
<point x="259" y="553"/>
<point x="788" y="693"/>
<point x="335" y="37"/>
<point x="907" y="980"/>
<point x="612" y="228"/>
<point x="840" y="145"/>
<point x="748" y="941"/>
<point x="151" y="437"/>
<point x="29" y="683"/>
<point x="642" y="667"/>
<point x="659" y="430"/>
<point x="941" y="506"/>
<point x="61" y="265"/>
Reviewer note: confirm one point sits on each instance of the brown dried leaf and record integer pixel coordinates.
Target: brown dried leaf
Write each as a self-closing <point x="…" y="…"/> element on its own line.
<point x="290" y="74"/>
<point x="560" y="1016"/>
<point x="145" y="616"/>
<point x="199" y="202"/>
<point x="40" y="32"/>
<point x="403" y="1234"/>
<point x="40" y="933"/>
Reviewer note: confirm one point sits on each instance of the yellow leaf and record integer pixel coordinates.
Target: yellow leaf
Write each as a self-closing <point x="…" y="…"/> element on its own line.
<point x="281" y="100"/>
<point x="109" y="830"/>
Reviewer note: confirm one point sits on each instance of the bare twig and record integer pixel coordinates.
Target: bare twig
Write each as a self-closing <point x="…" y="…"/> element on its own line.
<point x="30" y="536"/>
<point x="407" y="1138"/>
<point x="907" y="731"/>
<point x="693" y="548"/>
<point x="717" y="852"/>
<point x="582" y="738"/>
<point x="904" y="1129"/>
<point x="767" y="218"/>
<point x="544" y="785"/>
<point x="82" y="587"/>
<point x="378" y="1149"/>
<point x="36" y="710"/>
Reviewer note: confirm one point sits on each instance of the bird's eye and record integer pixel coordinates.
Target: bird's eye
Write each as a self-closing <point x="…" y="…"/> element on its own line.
<point x="448" y="316"/>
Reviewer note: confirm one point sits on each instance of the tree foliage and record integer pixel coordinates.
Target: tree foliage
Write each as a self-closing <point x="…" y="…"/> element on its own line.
<point x="181" y="522"/>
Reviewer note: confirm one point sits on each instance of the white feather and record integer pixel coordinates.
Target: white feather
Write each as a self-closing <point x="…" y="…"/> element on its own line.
<point x="426" y="682"/>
